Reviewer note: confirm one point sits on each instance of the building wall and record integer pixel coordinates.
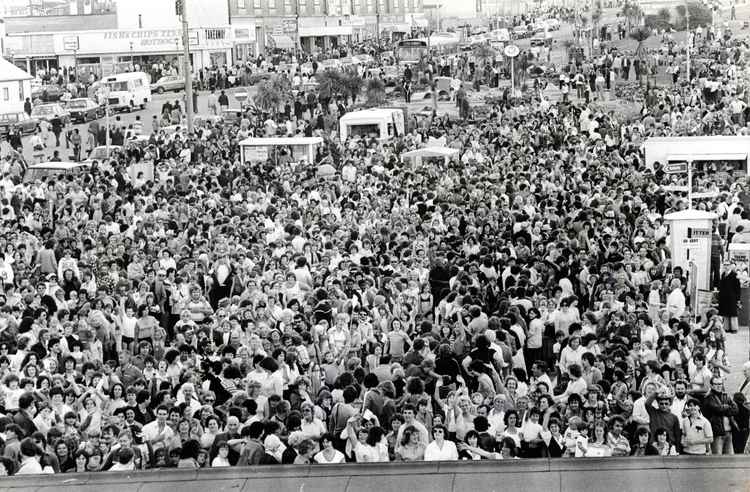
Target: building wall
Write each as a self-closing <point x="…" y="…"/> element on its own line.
<point x="12" y="95"/>
<point x="309" y="8"/>
<point x="161" y="13"/>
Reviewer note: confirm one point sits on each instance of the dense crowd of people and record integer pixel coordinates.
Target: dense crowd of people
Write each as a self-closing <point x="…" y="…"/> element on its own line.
<point x="515" y="301"/>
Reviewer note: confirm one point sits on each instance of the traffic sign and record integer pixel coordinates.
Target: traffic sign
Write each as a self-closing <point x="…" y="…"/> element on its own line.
<point x="511" y="51"/>
<point x="676" y="168"/>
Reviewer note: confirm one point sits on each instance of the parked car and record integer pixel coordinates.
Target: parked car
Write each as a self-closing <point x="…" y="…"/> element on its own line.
<point x="520" y="32"/>
<point x="84" y="109"/>
<point x="541" y="40"/>
<point x="168" y="83"/>
<point x="48" y="112"/>
<point x="11" y="121"/>
<point x="47" y="93"/>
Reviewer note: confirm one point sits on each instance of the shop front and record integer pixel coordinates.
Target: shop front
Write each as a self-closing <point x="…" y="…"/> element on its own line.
<point x="104" y="52"/>
<point x="245" y="40"/>
<point x="318" y="34"/>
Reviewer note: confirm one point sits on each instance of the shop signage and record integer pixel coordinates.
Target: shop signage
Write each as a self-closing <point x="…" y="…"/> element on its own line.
<point x="148" y="38"/>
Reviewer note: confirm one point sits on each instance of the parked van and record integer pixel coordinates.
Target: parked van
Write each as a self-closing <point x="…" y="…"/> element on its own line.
<point x="383" y="123"/>
<point x="128" y="90"/>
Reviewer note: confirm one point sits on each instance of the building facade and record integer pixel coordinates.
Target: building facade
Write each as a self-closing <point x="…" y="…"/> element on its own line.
<point x="15" y="87"/>
<point x="318" y="25"/>
<point x="131" y="33"/>
<point x="109" y="36"/>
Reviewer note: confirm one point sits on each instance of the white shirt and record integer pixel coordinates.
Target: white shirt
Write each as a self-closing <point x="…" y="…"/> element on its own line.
<point x="448" y="452"/>
<point x="676" y="303"/>
<point x="151" y="431"/>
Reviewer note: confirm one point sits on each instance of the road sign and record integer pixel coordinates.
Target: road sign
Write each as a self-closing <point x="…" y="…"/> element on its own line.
<point x="511" y="51"/>
<point x="676" y="168"/>
<point x="70" y="43"/>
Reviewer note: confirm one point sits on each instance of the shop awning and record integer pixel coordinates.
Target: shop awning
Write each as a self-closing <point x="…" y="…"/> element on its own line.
<point x="282" y="42"/>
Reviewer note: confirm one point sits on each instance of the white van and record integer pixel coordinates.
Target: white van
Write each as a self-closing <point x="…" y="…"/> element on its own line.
<point x="128" y="90"/>
<point x="383" y="123"/>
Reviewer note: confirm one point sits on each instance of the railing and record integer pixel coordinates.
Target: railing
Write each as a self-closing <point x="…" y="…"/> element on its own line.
<point x="715" y="473"/>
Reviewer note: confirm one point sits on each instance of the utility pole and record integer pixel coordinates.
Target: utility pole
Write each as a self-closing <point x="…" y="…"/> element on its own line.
<point x="181" y="7"/>
<point x="298" y="39"/>
<point x="687" y="28"/>
<point x="377" y="23"/>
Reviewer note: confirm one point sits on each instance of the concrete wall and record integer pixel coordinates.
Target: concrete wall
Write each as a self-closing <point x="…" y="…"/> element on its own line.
<point x="715" y="473"/>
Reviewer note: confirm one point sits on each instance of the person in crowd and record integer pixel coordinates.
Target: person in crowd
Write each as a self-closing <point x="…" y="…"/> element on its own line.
<point x="515" y="299"/>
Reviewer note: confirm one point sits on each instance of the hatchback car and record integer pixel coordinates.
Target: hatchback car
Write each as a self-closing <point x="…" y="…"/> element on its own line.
<point x="48" y="112"/>
<point x="168" y="83"/>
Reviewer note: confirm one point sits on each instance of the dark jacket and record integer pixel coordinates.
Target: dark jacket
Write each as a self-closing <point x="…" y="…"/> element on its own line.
<point x="23" y="420"/>
<point x="716" y="406"/>
<point x="729" y="294"/>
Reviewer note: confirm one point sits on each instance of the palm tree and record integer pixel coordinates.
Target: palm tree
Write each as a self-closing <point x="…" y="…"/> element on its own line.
<point x="640" y="35"/>
<point x="353" y="84"/>
<point x="272" y="93"/>
<point x="375" y="93"/>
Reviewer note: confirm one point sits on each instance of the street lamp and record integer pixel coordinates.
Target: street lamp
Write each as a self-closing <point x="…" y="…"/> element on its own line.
<point x="132" y="67"/>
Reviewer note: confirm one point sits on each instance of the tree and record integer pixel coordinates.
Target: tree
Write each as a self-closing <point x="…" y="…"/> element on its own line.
<point x="272" y="94"/>
<point x="353" y="84"/>
<point x="641" y="35"/>
<point x="700" y="15"/>
<point x="375" y="93"/>
<point x="664" y="15"/>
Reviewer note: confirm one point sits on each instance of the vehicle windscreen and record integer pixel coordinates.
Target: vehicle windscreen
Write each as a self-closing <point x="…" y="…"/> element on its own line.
<point x="77" y="104"/>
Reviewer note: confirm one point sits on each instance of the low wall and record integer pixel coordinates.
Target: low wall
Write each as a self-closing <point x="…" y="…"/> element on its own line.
<point x="714" y="473"/>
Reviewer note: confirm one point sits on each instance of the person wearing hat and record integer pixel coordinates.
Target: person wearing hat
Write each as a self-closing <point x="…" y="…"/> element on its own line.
<point x="662" y="417"/>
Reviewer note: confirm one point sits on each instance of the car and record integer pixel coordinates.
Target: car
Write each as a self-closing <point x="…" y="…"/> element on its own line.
<point x="50" y="111"/>
<point x="47" y="93"/>
<point x="520" y="32"/>
<point x="100" y="153"/>
<point x="20" y="120"/>
<point x="83" y="109"/>
<point x="541" y="40"/>
<point x="53" y="169"/>
<point x="168" y="83"/>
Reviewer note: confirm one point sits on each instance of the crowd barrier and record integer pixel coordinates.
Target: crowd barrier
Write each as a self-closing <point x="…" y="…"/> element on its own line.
<point x="714" y="473"/>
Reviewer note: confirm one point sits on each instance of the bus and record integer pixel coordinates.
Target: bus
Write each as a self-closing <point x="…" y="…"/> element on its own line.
<point x="411" y="51"/>
<point x="128" y="90"/>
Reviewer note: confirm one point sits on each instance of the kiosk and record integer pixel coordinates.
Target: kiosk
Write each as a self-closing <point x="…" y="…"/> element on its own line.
<point x="419" y="155"/>
<point x="690" y="243"/>
<point x="254" y="150"/>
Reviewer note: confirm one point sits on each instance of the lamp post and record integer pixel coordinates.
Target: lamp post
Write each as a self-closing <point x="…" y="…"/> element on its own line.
<point x="186" y="68"/>
<point x="132" y="66"/>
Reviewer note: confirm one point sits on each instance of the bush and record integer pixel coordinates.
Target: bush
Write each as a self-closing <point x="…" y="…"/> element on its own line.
<point x="655" y="22"/>
<point x="257" y="78"/>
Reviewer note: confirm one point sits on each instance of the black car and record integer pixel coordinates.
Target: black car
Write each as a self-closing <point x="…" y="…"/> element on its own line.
<point x="84" y="109"/>
<point x="47" y="93"/>
<point x="20" y="120"/>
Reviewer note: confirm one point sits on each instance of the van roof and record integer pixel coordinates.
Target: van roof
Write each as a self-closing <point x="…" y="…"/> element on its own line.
<point x="59" y="165"/>
<point x="370" y="113"/>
